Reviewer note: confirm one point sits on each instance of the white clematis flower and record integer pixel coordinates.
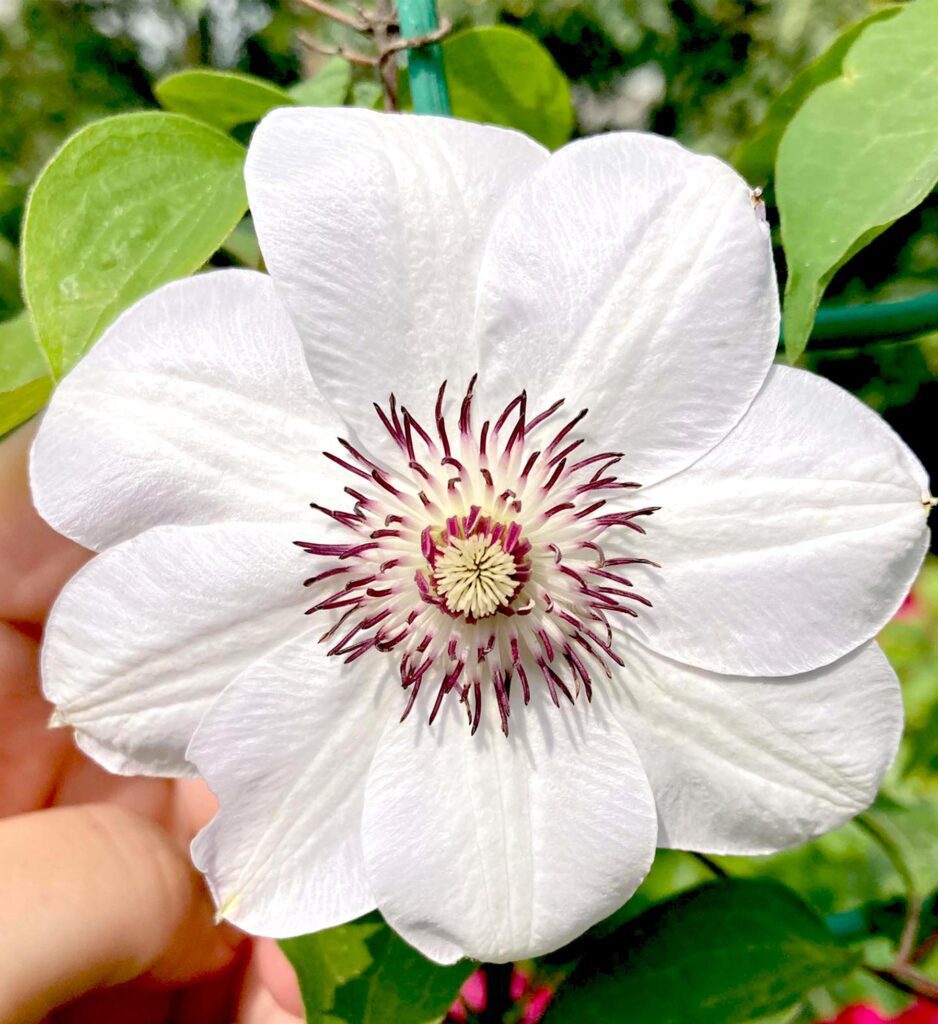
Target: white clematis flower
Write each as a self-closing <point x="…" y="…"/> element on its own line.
<point x="521" y="670"/>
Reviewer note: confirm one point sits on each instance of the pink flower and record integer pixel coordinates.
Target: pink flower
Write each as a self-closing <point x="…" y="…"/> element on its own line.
<point x="920" y="1012"/>
<point x="859" y="1015"/>
<point x="911" y="610"/>
<point x="537" y="1005"/>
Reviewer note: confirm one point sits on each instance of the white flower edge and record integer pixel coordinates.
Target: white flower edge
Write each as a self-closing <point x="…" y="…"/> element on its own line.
<point x="624" y="273"/>
<point x="791" y="543"/>
<point x="143" y="639"/>
<point x="286" y="748"/>
<point x="497" y="849"/>
<point x="372" y="226"/>
<point x="195" y="406"/>
<point x="633" y="278"/>
<point x="752" y="766"/>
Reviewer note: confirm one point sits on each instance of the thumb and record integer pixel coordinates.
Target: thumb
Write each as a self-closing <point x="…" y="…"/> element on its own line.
<point x="96" y="896"/>
<point x="35" y="561"/>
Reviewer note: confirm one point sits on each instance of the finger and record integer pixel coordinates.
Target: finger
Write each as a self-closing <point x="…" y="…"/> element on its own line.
<point x="197" y="804"/>
<point x="95" y="896"/>
<point x="258" y="1005"/>
<point x="35" y="561"/>
<point x="210" y="1002"/>
<point x="278" y="976"/>
<point x="31" y="755"/>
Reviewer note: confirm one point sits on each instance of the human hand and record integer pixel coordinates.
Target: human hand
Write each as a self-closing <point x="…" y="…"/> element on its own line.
<point x="103" y="918"/>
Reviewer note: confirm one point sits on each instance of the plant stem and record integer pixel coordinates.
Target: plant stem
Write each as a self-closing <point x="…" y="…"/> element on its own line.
<point x="334" y="14"/>
<point x="387" y="65"/>
<point x="418" y="18"/>
<point x="710" y="865"/>
<point x="913" y="897"/>
<point x="908" y="980"/>
<point x="902" y="974"/>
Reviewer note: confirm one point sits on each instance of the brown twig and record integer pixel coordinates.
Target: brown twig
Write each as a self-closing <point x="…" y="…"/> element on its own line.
<point x="711" y="865"/>
<point x="415" y="42"/>
<point x="382" y="25"/>
<point x="925" y="949"/>
<point x="908" y="980"/>
<point x="353" y="56"/>
<point x="910" y="929"/>
<point x="359" y="24"/>
<point x="384" y="17"/>
<point x="387" y="17"/>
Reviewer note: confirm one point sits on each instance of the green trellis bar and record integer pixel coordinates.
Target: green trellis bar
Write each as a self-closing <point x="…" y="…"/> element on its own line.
<point x="873" y="320"/>
<point x="425" y="63"/>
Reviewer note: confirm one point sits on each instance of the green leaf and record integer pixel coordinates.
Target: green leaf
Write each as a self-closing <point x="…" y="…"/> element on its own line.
<point x="223" y="99"/>
<point x="833" y="873"/>
<point x="10" y="301"/>
<point x="328" y="88"/>
<point x="368" y="94"/>
<point x="126" y="205"/>
<point x="861" y="152"/>
<point x="363" y="973"/>
<point x="401" y="987"/>
<point x="242" y="245"/>
<point x="327" y="960"/>
<point x="909" y="831"/>
<point x="226" y="99"/>
<point x="726" y="951"/>
<point x="501" y="75"/>
<point x="755" y="157"/>
<point x="25" y="383"/>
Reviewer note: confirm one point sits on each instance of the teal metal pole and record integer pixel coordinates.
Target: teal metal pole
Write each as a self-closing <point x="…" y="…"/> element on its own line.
<point x="876" y="320"/>
<point x="424" y="63"/>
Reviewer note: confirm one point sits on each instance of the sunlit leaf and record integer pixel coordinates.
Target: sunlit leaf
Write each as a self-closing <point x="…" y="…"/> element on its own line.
<point x="223" y="99"/>
<point x="126" y="205"/>
<point x="755" y="158"/>
<point x="363" y="973"/>
<point x="368" y="94"/>
<point x="501" y="75"/>
<point x="24" y="376"/>
<point x="861" y="152"/>
<point x="327" y="960"/>
<point x="328" y="88"/>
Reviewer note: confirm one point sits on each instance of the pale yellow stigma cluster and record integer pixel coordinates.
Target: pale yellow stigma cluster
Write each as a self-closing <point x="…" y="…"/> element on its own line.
<point x="475" y="576"/>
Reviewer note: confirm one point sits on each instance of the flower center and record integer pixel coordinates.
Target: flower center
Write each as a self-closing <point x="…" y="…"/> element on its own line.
<point x="474" y="558"/>
<point x="478" y="566"/>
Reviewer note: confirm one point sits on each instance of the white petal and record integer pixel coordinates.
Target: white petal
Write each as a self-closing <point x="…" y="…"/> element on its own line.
<point x="286" y="749"/>
<point x="196" y="405"/>
<point x="791" y="543"/>
<point x="748" y="766"/>
<point x="502" y="849"/>
<point x="372" y="225"/>
<point x="147" y="634"/>
<point x="633" y="278"/>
